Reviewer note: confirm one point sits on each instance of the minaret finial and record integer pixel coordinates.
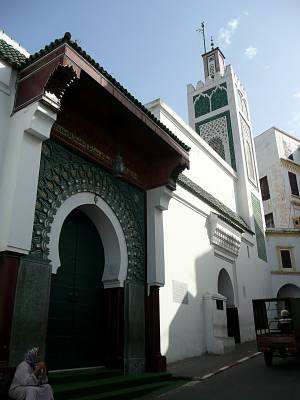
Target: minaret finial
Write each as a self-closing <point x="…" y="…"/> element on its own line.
<point x="203" y="34"/>
<point x="212" y="43"/>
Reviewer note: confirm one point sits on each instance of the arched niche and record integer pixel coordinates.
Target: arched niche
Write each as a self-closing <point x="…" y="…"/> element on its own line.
<point x="110" y="231"/>
<point x="225" y="287"/>
<point x="288" y="290"/>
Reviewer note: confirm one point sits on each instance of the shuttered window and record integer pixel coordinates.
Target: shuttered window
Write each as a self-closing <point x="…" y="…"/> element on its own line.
<point x="264" y="187"/>
<point x="293" y="183"/>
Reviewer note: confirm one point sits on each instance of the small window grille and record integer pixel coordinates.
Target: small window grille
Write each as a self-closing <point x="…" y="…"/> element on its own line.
<point x="293" y="183"/>
<point x="269" y="220"/>
<point x="264" y="187"/>
<point x="286" y="260"/>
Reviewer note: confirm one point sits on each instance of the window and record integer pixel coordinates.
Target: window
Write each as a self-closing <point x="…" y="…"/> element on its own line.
<point x="219" y="304"/>
<point x="264" y="187"/>
<point x="286" y="260"/>
<point x="293" y="183"/>
<point x="291" y="157"/>
<point x="269" y="220"/>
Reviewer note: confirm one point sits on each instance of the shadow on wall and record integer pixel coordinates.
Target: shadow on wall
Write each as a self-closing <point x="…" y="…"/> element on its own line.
<point x="199" y="324"/>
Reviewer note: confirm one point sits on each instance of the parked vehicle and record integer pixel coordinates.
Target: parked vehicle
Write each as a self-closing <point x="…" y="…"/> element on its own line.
<point x="277" y="325"/>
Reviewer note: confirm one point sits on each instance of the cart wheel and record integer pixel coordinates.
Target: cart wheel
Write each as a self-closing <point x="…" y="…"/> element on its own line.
<point x="268" y="358"/>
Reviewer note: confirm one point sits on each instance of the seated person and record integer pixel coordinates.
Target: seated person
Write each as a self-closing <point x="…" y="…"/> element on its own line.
<point x="30" y="381"/>
<point x="285" y="322"/>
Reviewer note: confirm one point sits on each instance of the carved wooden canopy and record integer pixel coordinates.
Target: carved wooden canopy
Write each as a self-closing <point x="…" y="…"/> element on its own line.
<point x="99" y="119"/>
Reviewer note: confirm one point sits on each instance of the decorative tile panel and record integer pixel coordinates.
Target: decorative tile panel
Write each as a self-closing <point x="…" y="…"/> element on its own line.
<point x="217" y="132"/>
<point x="63" y="174"/>
<point x="210" y="100"/>
<point x="211" y="64"/>
<point x="259" y="230"/>
<point x="242" y="103"/>
<point x="248" y="149"/>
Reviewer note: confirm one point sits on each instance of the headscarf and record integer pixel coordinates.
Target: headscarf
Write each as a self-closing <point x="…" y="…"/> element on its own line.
<point x="31" y="356"/>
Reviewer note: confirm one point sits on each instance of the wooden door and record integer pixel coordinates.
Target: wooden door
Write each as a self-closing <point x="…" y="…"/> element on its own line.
<point x="233" y="324"/>
<point x="76" y="313"/>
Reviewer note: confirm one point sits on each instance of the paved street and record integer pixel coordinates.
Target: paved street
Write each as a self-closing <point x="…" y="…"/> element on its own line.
<point x="249" y="380"/>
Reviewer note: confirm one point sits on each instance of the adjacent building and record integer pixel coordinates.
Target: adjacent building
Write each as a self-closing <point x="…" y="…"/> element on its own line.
<point x="278" y="157"/>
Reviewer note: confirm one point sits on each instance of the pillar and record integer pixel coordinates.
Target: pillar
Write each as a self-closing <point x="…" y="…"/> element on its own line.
<point x="155" y="362"/>
<point x="157" y="202"/>
<point x="114" y="301"/>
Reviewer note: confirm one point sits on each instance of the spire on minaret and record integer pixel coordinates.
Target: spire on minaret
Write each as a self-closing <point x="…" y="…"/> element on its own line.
<point x="203" y="35"/>
<point x="214" y="59"/>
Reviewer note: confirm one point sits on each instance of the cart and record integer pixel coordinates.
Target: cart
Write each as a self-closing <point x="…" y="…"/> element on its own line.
<point x="272" y="340"/>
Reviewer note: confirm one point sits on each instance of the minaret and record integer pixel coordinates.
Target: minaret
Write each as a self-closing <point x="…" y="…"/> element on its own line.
<point x="214" y="62"/>
<point x="219" y="113"/>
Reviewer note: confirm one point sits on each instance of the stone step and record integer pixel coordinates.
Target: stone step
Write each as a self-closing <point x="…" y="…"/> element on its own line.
<point x="78" y="388"/>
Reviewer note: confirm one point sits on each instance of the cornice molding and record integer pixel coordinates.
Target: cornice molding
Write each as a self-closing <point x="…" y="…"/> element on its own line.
<point x="292" y="165"/>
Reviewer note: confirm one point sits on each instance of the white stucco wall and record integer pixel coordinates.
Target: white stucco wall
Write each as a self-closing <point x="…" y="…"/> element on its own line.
<point x="24" y="135"/>
<point x="7" y="92"/>
<point x="273" y="147"/>
<point x="208" y="169"/>
<point x="281" y="240"/>
<point x="243" y="187"/>
<point x="190" y="259"/>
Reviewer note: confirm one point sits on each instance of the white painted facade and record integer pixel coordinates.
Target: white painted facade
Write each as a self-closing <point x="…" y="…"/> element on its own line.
<point x="274" y="149"/>
<point x="193" y="262"/>
<point x="193" y="253"/>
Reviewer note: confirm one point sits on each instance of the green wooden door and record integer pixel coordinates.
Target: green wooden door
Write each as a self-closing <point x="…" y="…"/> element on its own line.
<point x="76" y="314"/>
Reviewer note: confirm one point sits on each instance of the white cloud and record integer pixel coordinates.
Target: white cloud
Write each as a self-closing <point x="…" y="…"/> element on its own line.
<point x="225" y="34"/>
<point x="250" y="52"/>
<point x="297" y="94"/>
<point x="233" y="24"/>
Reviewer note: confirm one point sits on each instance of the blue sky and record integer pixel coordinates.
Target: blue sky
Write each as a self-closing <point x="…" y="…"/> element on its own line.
<point x="152" y="47"/>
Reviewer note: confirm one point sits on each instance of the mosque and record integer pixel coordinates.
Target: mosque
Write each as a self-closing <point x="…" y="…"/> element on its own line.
<point x="129" y="238"/>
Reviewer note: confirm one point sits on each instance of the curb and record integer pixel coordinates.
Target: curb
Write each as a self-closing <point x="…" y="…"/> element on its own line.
<point x="198" y="379"/>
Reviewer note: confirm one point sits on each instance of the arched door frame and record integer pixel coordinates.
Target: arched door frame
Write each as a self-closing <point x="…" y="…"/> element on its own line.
<point x="231" y="288"/>
<point x="285" y="286"/>
<point x="110" y="231"/>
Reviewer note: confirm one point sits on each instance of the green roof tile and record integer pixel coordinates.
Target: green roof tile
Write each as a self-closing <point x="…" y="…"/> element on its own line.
<point x="12" y="56"/>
